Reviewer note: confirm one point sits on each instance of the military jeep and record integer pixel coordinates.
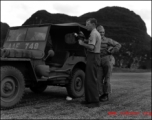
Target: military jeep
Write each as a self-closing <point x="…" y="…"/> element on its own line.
<point x="36" y="56"/>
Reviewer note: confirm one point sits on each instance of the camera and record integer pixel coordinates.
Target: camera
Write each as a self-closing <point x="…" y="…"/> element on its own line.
<point x="80" y="36"/>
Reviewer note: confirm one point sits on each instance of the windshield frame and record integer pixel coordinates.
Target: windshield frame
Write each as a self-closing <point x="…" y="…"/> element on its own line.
<point x="26" y="33"/>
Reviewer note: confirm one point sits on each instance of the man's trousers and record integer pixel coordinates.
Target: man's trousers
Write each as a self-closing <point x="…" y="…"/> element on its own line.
<point x="91" y="78"/>
<point x="105" y="72"/>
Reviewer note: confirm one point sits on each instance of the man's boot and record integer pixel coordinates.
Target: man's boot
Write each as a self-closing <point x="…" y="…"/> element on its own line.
<point x="104" y="98"/>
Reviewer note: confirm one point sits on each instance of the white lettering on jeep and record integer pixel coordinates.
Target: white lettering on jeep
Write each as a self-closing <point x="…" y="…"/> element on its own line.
<point x="34" y="46"/>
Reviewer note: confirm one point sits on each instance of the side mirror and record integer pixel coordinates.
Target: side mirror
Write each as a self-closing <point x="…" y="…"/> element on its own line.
<point x="50" y="54"/>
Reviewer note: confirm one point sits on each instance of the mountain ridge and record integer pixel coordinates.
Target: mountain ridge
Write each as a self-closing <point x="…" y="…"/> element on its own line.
<point x="121" y="24"/>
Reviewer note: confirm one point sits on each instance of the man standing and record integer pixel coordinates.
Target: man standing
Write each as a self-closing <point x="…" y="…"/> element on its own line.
<point x="108" y="47"/>
<point x="93" y="64"/>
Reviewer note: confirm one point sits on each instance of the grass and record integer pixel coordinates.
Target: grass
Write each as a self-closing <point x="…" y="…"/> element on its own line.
<point x="131" y="93"/>
<point x="116" y="69"/>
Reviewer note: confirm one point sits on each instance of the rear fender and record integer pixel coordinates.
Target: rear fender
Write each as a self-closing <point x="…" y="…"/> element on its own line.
<point x="75" y="62"/>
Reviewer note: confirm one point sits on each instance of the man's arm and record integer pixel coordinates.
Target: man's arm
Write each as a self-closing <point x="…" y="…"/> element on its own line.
<point x="89" y="46"/>
<point x="91" y="43"/>
<point x="114" y="46"/>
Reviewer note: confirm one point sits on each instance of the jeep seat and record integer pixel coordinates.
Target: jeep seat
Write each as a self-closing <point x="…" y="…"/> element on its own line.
<point x="58" y="59"/>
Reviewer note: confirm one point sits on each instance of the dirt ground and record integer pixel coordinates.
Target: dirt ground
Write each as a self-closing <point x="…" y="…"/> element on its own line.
<point x="130" y="99"/>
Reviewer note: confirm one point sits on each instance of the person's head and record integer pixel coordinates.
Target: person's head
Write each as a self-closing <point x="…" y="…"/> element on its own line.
<point x="91" y="23"/>
<point x="101" y="30"/>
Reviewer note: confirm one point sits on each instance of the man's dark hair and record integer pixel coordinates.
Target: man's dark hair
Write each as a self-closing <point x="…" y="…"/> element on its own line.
<point x="93" y="20"/>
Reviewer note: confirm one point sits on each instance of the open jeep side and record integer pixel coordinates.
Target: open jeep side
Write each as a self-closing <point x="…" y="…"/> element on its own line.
<point x="36" y="56"/>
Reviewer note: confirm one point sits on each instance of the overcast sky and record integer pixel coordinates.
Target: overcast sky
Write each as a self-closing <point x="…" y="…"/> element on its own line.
<point x="15" y="13"/>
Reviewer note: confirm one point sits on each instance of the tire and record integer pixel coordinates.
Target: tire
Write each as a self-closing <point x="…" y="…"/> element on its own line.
<point x="38" y="88"/>
<point x="75" y="88"/>
<point x="12" y="86"/>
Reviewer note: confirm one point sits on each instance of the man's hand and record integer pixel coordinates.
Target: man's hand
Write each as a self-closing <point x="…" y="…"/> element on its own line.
<point x="109" y="49"/>
<point x="112" y="50"/>
<point x="81" y="42"/>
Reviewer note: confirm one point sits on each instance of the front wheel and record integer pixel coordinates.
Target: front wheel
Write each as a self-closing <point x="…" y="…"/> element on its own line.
<point x="75" y="88"/>
<point x="12" y="86"/>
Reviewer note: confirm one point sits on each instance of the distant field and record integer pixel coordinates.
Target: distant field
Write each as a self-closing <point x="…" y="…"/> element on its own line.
<point x="130" y="99"/>
<point x="130" y="70"/>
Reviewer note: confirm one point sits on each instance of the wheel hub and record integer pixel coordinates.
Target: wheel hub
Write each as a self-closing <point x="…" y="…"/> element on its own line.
<point x="78" y="84"/>
<point x="7" y="87"/>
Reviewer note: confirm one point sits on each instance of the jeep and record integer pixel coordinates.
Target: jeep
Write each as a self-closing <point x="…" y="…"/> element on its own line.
<point x="36" y="56"/>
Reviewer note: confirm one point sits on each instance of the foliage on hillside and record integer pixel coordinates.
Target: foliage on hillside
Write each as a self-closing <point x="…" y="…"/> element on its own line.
<point x="4" y="29"/>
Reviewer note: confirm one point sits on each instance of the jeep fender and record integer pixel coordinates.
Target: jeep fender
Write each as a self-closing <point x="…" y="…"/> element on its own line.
<point x="75" y="62"/>
<point x="24" y="65"/>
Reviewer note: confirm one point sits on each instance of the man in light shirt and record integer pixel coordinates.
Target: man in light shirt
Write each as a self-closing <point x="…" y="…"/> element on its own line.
<point x="92" y="66"/>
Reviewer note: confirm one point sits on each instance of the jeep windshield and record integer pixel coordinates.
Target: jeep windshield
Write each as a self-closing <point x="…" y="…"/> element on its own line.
<point x="27" y="34"/>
